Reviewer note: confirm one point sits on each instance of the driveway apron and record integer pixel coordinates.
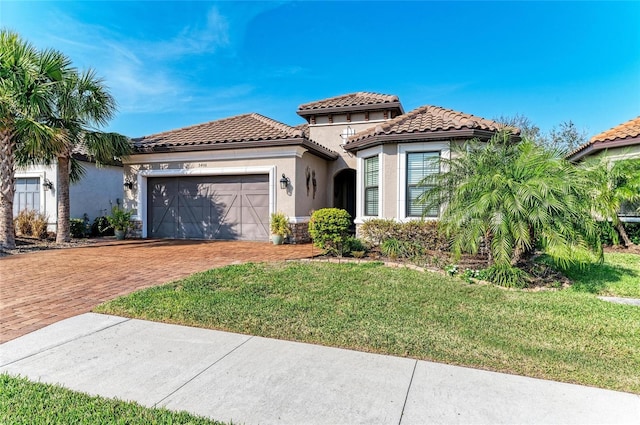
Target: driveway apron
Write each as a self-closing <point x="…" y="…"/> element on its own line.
<point x="41" y="288"/>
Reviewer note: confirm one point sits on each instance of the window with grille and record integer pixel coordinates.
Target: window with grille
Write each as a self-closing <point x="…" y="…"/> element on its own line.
<point x="419" y="166"/>
<point x="27" y="195"/>
<point x="371" y="189"/>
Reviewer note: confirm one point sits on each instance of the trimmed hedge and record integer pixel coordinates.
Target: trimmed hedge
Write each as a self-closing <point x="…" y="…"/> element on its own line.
<point x="417" y="233"/>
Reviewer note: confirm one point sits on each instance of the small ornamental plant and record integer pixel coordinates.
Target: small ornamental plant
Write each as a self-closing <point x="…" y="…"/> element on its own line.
<point x="329" y="229"/>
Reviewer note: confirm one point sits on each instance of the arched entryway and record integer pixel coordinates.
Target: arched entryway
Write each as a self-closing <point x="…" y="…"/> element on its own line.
<point x="344" y="191"/>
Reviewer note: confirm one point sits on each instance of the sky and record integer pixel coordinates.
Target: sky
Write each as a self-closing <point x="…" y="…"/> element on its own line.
<point x="171" y="64"/>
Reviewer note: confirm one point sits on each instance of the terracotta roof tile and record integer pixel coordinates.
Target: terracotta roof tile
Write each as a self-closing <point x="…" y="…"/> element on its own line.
<point x="624" y="131"/>
<point x="252" y="129"/>
<point x="241" y="128"/>
<point x="347" y="101"/>
<point x="429" y="119"/>
<point x="630" y="128"/>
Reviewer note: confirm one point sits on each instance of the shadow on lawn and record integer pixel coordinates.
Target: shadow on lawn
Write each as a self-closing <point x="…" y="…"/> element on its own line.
<point x="593" y="278"/>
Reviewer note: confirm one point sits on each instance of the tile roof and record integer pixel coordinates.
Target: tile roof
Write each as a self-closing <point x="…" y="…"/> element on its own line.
<point x="241" y="129"/>
<point x="352" y="101"/>
<point x="620" y="133"/>
<point x="630" y="128"/>
<point x="427" y="119"/>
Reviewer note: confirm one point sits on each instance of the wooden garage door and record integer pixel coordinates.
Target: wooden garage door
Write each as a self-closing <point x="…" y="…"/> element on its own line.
<point x="209" y="207"/>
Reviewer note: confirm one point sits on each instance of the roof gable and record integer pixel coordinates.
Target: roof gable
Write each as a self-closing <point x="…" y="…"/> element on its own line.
<point x="427" y="122"/>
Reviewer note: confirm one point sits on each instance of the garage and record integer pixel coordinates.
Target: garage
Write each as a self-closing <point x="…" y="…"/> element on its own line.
<point x="209" y="207"/>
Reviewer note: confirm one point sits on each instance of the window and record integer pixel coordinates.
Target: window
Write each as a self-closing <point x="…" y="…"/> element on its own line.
<point x="420" y="165"/>
<point x="371" y="190"/>
<point x="27" y="195"/>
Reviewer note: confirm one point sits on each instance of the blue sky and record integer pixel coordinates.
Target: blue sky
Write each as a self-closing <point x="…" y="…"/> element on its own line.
<point x="173" y="64"/>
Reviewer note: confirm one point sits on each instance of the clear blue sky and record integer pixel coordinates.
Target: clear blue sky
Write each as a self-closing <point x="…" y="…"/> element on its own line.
<point x="172" y="64"/>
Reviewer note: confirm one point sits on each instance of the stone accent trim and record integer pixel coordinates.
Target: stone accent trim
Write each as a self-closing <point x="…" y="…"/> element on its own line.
<point x="299" y="233"/>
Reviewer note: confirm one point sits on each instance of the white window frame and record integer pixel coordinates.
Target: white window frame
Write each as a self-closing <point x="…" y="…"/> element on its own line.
<point x="362" y="155"/>
<point x="42" y="177"/>
<point x="403" y="149"/>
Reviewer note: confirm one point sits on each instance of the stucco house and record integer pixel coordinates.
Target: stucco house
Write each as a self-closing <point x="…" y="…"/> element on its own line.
<point x="617" y="143"/>
<point x="100" y="188"/>
<point x="359" y="151"/>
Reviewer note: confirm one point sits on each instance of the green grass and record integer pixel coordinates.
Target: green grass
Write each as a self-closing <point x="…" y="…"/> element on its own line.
<point x="619" y="275"/>
<point x="30" y="403"/>
<point x="564" y="335"/>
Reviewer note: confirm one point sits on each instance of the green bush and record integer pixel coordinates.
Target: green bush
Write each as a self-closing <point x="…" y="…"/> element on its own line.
<point x="79" y="228"/>
<point x="329" y="229"/>
<point x="507" y="276"/>
<point x="392" y="248"/>
<point x="609" y="234"/>
<point x="352" y="244"/>
<point x="633" y="230"/>
<point x="100" y="227"/>
<point x="415" y="236"/>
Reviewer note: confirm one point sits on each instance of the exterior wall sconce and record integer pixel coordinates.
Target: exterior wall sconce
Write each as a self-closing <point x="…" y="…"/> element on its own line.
<point x="284" y="182"/>
<point x="128" y="184"/>
<point x="47" y="184"/>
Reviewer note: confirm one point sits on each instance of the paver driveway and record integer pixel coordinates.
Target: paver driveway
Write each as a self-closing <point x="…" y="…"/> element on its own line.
<point x="41" y="288"/>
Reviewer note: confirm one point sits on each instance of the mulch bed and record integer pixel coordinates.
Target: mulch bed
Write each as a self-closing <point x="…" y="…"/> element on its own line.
<point x="26" y="245"/>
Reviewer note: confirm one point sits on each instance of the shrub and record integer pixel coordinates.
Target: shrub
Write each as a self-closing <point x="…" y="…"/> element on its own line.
<point x="609" y="234"/>
<point x="392" y="248"/>
<point x="31" y="223"/>
<point x="506" y="275"/>
<point x="329" y="229"/>
<point x="417" y="236"/>
<point x="79" y="227"/>
<point x="100" y="227"/>
<point x="377" y="230"/>
<point x="120" y="219"/>
<point x="353" y="244"/>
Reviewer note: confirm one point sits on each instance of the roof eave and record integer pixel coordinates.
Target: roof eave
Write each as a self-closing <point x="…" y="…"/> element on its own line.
<point x="379" y="139"/>
<point x="352" y="108"/>
<point x="597" y="146"/>
<point x="296" y="141"/>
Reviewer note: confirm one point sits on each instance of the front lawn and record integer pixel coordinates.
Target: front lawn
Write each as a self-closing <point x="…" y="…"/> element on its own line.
<point x="619" y="276"/>
<point x="561" y="335"/>
<point x="25" y="402"/>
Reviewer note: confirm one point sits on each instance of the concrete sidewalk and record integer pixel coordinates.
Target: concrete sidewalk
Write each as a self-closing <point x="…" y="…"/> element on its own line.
<point x="257" y="380"/>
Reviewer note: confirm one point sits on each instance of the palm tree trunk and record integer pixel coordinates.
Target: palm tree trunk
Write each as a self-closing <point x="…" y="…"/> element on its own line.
<point x="7" y="189"/>
<point x="623" y="234"/>
<point x="63" y="231"/>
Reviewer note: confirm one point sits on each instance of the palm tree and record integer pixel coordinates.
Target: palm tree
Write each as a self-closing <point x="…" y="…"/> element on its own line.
<point x="511" y="199"/>
<point x="82" y="105"/>
<point x="27" y="80"/>
<point x="614" y="184"/>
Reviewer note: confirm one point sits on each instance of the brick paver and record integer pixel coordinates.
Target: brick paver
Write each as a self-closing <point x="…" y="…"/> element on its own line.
<point x="41" y="288"/>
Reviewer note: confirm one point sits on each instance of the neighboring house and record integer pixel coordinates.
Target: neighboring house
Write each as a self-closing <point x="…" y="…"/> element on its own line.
<point x="360" y="152"/>
<point x="99" y="189"/>
<point x="620" y="142"/>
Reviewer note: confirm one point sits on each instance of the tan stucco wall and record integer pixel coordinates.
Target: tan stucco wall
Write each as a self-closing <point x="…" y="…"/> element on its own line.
<point x="306" y="202"/>
<point x="291" y="161"/>
<point x="390" y="180"/>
